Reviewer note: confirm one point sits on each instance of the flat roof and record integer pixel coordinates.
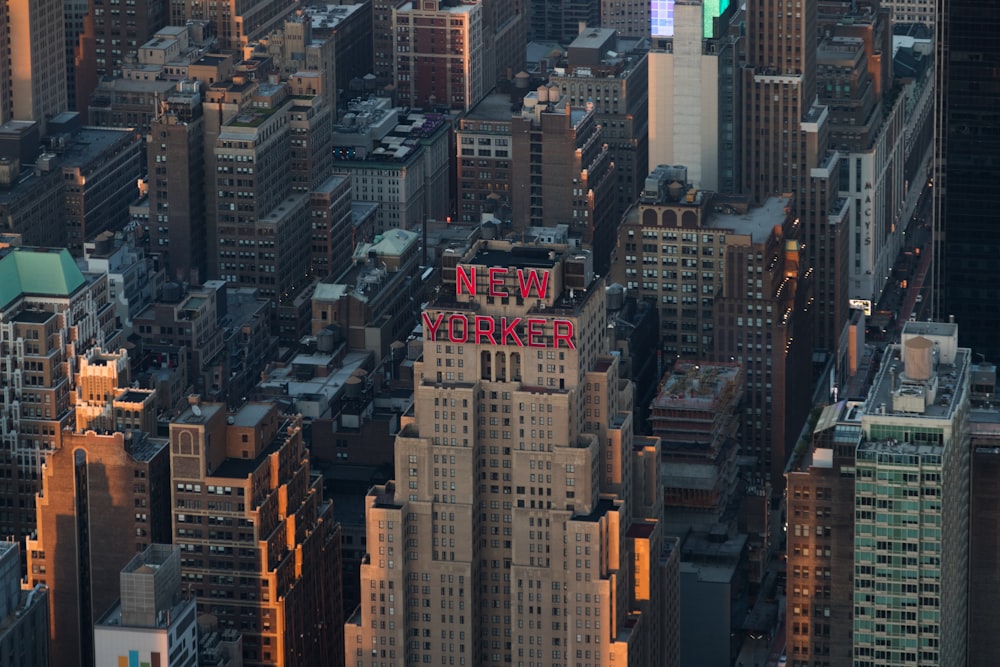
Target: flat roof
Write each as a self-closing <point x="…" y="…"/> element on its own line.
<point x="517" y="256"/>
<point x="495" y="107"/>
<point x="758" y="222"/>
<point x="251" y="414"/>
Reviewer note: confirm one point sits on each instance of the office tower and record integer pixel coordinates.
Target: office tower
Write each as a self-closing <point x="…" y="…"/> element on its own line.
<point x="561" y="20"/>
<point x="103" y="498"/>
<point x="24" y="614"/>
<point x="152" y="622"/>
<point x="270" y="567"/>
<point x="310" y="118"/>
<point x="262" y="231"/>
<point x="628" y="18"/>
<point x="440" y="55"/>
<point x="188" y="324"/>
<point x="659" y="238"/>
<point x="401" y="162"/>
<point x="911" y="531"/>
<point x="570" y="178"/>
<point x="384" y="42"/>
<point x="694" y="92"/>
<point x="332" y="224"/>
<point x="984" y="524"/>
<point x="965" y="170"/>
<point x="32" y="194"/>
<point x="613" y="76"/>
<point x="111" y="37"/>
<point x="519" y="503"/>
<point x="33" y="67"/>
<point x="50" y="312"/>
<point x="881" y="126"/>
<point x="349" y="27"/>
<point x="176" y="172"/>
<point x="236" y="23"/>
<point x="100" y="168"/>
<point x="768" y="328"/>
<point x="74" y="14"/>
<point x="491" y="43"/>
<point x="374" y="301"/>
<point x="820" y="540"/>
<point x="693" y="254"/>
<point x="785" y="149"/>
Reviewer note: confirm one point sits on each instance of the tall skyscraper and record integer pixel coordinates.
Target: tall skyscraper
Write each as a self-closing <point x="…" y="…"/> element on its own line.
<point x="524" y="524"/>
<point x="176" y="172"/>
<point x="966" y="170"/>
<point x="50" y="312"/>
<point x="103" y="497"/>
<point x="111" y="35"/>
<point x="571" y="178"/>
<point x="694" y="117"/>
<point x="33" y="67"/>
<point x="440" y="55"/>
<point x="561" y="20"/>
<point x="911" y="528"/>
<point x="820" y="553"/>
<point x="785" y="148"/>
<point x="260" y="549"/>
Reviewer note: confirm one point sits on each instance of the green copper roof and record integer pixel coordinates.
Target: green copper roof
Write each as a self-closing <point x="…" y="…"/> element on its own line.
<point x="38" y="271"/>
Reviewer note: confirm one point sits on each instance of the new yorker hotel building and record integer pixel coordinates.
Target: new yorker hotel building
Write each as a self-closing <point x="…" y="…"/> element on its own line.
<point x="523" y="528"/>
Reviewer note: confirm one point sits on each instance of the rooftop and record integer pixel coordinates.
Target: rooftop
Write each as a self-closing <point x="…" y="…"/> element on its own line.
<point x="251" y="414"/>
<point x="758" y="222"/>
<point x="38" y="272"/>
<point x="696" y="385"/>
<point x="923" y="377"/>
<point x="516" y="256"/>
<point x="495" y="107"/>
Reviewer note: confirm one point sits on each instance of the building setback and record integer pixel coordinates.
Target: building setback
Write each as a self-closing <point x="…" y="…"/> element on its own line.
<point x="786" y="148"/>
<point x="50" y="312"/>
<point x="524" y="522"/>
<point x="103" y="498"/>
<point x="259" y="546"/>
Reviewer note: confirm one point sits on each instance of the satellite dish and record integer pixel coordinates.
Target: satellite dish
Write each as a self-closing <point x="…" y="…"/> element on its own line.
<point x="196" y="410"/>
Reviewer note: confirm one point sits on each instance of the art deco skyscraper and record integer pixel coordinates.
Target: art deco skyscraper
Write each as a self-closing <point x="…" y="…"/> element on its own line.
<point x="966" y="170"/>
<point x="524" y="524"/>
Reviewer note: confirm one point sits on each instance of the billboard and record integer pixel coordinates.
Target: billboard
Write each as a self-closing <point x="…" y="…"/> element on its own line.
<point x="661" y="18"/>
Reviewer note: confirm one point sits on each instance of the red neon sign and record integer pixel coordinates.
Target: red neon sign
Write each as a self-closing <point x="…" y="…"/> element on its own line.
<point x="483" y="329"/>
<point x="530" y="282"/>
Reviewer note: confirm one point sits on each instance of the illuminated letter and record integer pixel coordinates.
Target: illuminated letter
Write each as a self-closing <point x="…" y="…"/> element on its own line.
<point x="541" y="286"/>
<point x="484" y="328"/>
<point x="507" y="329"/>
<point x="496" y="281"/>
<point x="535" y="332"/>
<point x="452" y="336"/>
<point x="565" y="336"/>
<point x="466" y="279"/>
<point x="432" y="327"/>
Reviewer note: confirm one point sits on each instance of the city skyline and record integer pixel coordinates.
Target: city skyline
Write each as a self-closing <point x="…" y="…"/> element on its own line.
<point x="576" y="333"/>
